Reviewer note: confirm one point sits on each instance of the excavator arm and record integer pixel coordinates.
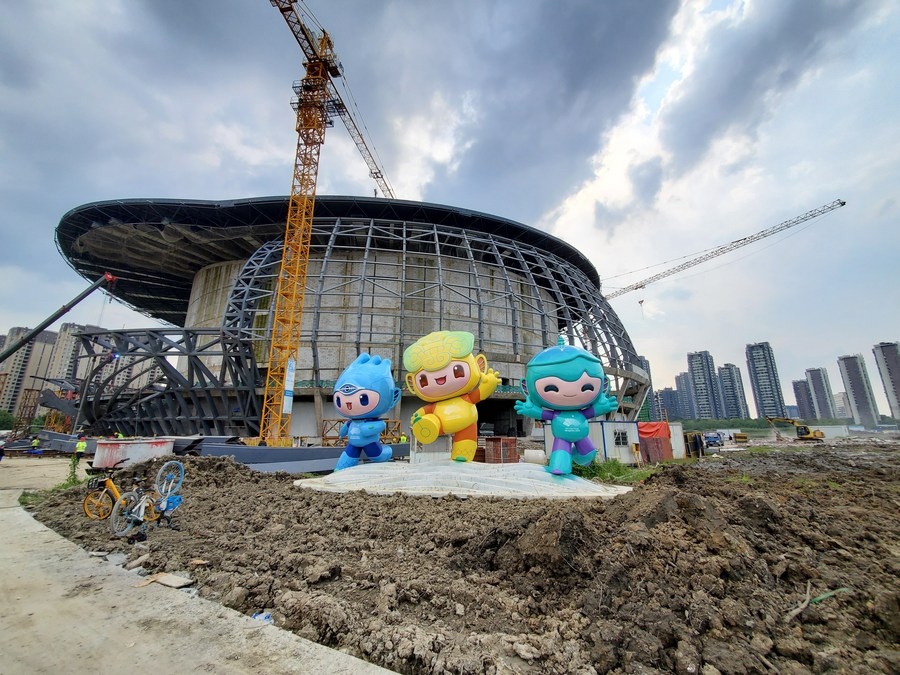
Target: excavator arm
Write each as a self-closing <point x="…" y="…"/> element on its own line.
<point x="804" y="433"/>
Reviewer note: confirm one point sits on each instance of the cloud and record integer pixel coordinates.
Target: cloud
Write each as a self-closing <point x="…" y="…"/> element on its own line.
<point x="646" y="179"/>
<point x="748" y="63"/>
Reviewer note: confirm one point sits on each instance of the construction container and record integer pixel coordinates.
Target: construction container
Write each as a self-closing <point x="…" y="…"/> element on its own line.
<point x="110" y="452"/>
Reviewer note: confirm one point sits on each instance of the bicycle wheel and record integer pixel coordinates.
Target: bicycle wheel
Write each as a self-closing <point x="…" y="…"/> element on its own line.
<point x="170" y="477"/>
<point x="123" y="517"/>
<point x="98" y="504"/>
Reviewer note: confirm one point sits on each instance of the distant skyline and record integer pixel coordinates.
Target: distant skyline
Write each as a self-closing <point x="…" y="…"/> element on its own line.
<point x="787" y="379"/>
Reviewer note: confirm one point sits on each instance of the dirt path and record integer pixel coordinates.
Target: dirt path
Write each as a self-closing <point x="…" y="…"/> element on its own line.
<point x="759" y="561"/>
<point x="35" y="473"/>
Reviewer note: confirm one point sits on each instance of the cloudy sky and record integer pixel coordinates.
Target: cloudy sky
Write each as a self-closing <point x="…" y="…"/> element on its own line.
<point x="643" y="133"/>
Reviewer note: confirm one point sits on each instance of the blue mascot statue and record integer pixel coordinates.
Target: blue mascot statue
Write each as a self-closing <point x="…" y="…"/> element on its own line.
<point x="364" y="392"/>
<point x="566" y="386"/>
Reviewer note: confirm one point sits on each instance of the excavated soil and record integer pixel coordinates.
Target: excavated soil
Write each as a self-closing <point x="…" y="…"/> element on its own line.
<point x="769" y="561"/>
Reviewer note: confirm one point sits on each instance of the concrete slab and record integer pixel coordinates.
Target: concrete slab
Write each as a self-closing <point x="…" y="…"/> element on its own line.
<point x="463" y="479"/>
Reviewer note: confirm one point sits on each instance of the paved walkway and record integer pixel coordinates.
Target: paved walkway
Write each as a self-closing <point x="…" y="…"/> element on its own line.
<point x="65" y="611"/>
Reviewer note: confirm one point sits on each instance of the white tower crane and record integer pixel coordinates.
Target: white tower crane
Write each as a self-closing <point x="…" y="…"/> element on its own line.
<point x="725" y="248"/>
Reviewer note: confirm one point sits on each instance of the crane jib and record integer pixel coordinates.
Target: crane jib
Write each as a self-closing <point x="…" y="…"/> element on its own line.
<point x="809" y="215"/>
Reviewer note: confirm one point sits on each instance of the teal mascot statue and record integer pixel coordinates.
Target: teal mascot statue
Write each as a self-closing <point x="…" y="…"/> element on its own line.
<point x="566" y="386"/>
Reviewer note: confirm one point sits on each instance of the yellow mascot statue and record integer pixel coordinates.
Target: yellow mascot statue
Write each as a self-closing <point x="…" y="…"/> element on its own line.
<point x="443" y="372"/>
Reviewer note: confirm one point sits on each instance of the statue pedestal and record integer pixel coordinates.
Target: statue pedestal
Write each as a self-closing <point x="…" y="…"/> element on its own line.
<point x="438" y="451"/>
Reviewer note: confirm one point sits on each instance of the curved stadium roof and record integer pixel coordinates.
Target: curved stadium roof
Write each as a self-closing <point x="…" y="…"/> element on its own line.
<point x="156" y="246"/>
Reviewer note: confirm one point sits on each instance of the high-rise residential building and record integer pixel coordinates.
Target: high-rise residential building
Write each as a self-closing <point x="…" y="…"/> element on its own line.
<point x="667" y="402"/>
<point x="733" y="398"/>
<point x="842" y="405"/>
<point x="653" y="410"/>
<point x="26" y="372"/>
<point x="859" y="390"/>
<point x="65" y="364"/>
<point x="687" y="408"/>
<point x="805" y="408"/>
<point x="887" y="358"/>
<point x="822" y="396"/>
<point x="764" y="381"/>
<point x="707" y="394"/>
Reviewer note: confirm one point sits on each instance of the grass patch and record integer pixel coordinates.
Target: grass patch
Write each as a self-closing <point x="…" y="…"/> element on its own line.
<point x="743" y="478"/>
<point x="613" y="471"/>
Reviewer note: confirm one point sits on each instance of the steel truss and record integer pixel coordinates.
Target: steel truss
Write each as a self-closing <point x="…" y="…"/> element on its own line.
<point x="168" y="382"/>
<point x="387" y="271"/>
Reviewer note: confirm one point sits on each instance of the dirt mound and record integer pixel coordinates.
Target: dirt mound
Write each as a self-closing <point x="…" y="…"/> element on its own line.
<point x="704" y="568"/>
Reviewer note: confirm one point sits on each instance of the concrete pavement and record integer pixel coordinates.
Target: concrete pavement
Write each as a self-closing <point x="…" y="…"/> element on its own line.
<point x="65" y="611"/>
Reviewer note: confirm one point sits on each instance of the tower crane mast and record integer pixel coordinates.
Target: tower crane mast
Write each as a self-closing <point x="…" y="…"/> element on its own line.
<point x="726" y="248"/>
<point x="317" y="102"/>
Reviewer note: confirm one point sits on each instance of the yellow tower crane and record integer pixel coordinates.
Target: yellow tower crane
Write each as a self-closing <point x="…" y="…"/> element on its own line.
<point x="317" y="102"/>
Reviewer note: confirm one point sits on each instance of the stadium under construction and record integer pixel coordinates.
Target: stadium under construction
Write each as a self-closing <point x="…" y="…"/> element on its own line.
<point x="381" y="273"/>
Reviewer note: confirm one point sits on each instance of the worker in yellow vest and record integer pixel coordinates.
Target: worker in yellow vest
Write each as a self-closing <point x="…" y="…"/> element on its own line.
<point x="80" y="448"/>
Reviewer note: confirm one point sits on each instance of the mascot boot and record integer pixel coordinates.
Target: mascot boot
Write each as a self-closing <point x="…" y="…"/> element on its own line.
<point x="464" y="450"/>
<point x="387" y="454"/>
<point x="560" y="463"/>
<point x="345" y="461"/>
<point x="584" y="460"/>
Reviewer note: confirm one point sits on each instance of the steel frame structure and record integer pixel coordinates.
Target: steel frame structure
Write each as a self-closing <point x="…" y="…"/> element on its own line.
<point x="177" y="383"/>
<point x="387" y="282"/>
<point x="388" y="270"/>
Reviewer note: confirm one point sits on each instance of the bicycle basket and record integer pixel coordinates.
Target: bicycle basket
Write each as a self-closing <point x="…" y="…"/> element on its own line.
<point x="96" y="483"/>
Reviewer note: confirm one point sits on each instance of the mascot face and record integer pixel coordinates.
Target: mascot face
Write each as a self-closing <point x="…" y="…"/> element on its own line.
<point x="441" y="366"/>
<point x="357" y="403"/>
<point x="366" y="388"/>
<point x="560" y="394"/>
<point x="564" y="377"/>
<point x="458" y="377"/>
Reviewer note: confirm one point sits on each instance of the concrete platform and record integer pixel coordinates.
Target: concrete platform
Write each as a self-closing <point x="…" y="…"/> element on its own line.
<point x="463" y="479"/>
